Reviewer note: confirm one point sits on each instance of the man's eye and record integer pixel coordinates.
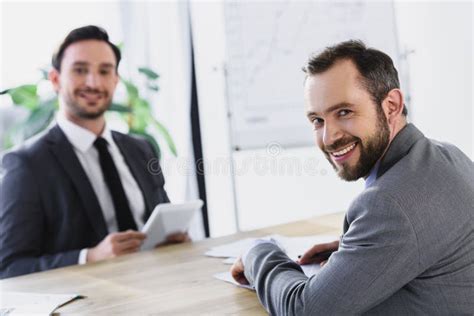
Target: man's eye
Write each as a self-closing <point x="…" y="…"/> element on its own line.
<point x="317" y="123"/>
<point x="80" y="71"/>
<point x="105" y="72"/>
<point x="344" y="112"/>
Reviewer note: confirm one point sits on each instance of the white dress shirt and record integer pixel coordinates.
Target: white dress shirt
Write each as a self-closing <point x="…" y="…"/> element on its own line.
<point x="82" y="141"/>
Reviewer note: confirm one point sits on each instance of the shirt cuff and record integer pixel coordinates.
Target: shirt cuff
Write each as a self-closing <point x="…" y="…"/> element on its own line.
<point x="83" y="256"/>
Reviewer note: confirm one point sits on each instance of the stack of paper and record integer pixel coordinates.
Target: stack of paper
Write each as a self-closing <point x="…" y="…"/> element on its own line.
<point x="293" y="247"/>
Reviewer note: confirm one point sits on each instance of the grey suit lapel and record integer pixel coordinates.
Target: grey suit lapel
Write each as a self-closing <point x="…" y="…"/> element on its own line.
<point x="66" y="157"/>
<point x="133" y="158"/>
<point x="399" y="147"/>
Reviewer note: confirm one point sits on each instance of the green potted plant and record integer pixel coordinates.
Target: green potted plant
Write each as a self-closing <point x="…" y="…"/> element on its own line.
<point x="135" y="111"/>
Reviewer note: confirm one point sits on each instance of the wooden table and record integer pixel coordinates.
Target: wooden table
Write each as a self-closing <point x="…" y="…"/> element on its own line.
<point x="172" y="280"/>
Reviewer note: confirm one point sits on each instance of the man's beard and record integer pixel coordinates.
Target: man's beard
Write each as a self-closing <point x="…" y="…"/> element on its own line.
<point x="82" y="113"/>
<point x="370" y="151"/>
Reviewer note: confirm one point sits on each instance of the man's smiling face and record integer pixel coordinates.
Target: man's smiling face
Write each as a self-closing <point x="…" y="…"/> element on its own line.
<point x="351" y="130"/>
<point x="87" y="80"/>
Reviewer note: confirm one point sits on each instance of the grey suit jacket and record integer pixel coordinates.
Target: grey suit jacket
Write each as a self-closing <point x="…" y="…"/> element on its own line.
<point x="48" y="208"/>
<point x="407" y="247"/>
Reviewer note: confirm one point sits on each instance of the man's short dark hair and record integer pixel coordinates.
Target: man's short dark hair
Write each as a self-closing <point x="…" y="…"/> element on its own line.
<point x="90" y="32"/>
<point x="379" y="75"/>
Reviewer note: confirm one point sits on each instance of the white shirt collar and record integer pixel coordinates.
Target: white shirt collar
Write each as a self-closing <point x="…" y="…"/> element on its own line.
<point x="81" y="138"/>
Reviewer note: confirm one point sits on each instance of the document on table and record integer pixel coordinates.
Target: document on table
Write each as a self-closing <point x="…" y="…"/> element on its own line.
<point x="227" y="277"/>
<point x="23" y="303"/>
<point x="292" y="246"/>
<point x="234" y="249"/>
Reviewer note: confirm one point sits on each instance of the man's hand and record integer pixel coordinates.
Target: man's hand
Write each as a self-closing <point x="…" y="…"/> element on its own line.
<point x="311" y="256"/>
<point x="116" y="244"/>
<point x="237" y="271"/>
<point x="175" y="238"/>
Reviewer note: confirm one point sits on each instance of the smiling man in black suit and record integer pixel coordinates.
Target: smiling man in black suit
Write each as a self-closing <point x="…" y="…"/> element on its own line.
<point x="81" y="192"/>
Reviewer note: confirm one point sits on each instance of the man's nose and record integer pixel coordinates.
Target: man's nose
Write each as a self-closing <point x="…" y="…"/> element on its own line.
<point x="92" y="80"/>
<point x="331" y="133"/>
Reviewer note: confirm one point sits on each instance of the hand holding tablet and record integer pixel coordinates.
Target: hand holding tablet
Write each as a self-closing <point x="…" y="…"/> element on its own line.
<point x="168" y="219"/>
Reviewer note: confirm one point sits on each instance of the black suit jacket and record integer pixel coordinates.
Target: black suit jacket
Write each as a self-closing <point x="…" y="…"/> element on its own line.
<point x="48" y="208"/>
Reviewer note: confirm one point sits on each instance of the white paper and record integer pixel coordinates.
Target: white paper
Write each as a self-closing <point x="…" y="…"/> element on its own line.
<point x="227" y="277"/>
<point x="234" y="249"/>
<point x="230" y="260"/>
<point x="292" y="246"/>
<point x="23" y="303"/>
<point x="230" y="250"/>
<point x="295" y="246"/>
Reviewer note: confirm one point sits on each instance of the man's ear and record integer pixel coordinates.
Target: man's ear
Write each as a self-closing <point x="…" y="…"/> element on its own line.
<point x="393" y="106"/>
<point x="53" y="76"/>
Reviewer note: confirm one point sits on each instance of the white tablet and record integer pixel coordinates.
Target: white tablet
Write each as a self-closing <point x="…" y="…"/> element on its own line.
<point x="167" y="219"/>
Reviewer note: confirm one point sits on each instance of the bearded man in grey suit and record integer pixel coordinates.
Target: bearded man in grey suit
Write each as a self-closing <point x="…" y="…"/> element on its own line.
<point x="408" y="242"/>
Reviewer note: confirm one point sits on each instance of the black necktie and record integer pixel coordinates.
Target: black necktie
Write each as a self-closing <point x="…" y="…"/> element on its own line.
<point x="123" y="213"/>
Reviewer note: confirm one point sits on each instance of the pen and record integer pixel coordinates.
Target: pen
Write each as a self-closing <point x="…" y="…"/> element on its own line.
<point x="324" y="255"/>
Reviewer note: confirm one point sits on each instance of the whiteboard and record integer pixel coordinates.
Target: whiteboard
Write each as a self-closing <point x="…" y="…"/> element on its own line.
<point x="266" y="46"/>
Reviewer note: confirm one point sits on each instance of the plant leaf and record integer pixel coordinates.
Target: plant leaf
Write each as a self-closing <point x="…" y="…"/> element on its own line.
<point x="39" y="118"/>
<point x="24" y="95"/>
<point x="139" y="117"/>
<point x="115" y="107"/>
<point x="164" y="132"/>
<point x="143" y="105"/>
<point x="150" y="74"/>
<point x="37" y="121"/>
<point x="132" y="89"/>
<point x="153" y="87"/>
<point x="8" y="138"/>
